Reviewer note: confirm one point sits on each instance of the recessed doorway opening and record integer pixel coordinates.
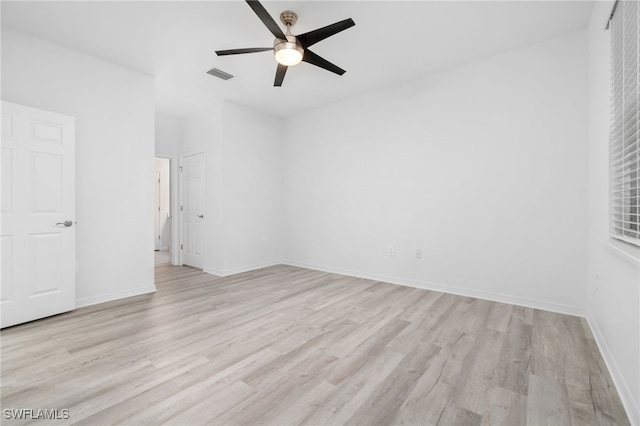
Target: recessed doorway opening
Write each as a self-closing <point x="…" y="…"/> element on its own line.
<point x="163" y="225"/>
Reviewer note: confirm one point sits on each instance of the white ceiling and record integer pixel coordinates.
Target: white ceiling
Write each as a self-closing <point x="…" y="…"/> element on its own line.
<point x="174" y="41"/>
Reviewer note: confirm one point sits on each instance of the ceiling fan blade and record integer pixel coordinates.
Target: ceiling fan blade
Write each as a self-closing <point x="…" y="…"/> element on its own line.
<point x="266" y="19"/>
<point x="280" y="72"/>
<point x="312" y="37"/>
<point x="240" y="51"/>
<point x="318" y="61"/>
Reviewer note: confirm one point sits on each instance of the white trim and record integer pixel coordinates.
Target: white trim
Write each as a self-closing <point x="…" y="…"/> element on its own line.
<point x="191" y="153"/>
<point x="215" y="271"/>
<point x="88" y="301"/>
<point x="165" y="155"/>
<point x="620" y="252"/>
<point x="624" y="238"/>
<point x="461" y="291"/>
<point x="630" y="406"/>
<point x="240" y="269"/>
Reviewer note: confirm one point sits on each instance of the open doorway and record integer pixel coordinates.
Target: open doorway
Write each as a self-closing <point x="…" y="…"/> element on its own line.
<point x="162" y="212"/>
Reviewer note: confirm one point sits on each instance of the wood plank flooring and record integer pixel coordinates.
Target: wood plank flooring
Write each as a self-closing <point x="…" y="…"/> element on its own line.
<point x="285" y="345"/>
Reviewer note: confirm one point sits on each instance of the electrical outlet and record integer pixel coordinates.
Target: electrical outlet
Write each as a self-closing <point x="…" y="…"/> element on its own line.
<point x="418" y="254"/>
<point x="391" y="251"/>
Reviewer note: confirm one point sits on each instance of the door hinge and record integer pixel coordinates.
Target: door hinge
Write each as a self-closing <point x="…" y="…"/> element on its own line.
<point x="180" y="208"/>
<point x="180" y="169"/>
<point x="181" y="247"/>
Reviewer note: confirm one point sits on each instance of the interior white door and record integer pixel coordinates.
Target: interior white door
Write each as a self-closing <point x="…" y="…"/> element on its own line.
<point x="38" y="214"/>
<point x="157" y="203"/>
<point x="192" y="209"/>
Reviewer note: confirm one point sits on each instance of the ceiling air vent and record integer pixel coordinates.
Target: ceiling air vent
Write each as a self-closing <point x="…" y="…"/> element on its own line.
<point x="220" y="74"/>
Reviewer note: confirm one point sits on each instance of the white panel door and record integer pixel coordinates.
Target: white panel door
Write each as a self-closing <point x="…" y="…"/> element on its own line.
<point x="38" y="214"/>
<point x="192" y="209"/>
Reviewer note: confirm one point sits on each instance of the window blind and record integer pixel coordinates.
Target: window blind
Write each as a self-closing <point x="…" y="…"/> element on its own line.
<point x="624" y="140"/>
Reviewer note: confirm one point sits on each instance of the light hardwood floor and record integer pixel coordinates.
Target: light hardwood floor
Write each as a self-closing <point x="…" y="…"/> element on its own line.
<point x="285" y="345"/>
<point x="162" y="257"/>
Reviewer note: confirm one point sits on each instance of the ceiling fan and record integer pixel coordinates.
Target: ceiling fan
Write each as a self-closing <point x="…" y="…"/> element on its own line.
<point x="290" y="50"/>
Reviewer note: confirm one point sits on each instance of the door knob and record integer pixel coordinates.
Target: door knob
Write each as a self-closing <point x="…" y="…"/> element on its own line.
<point x="201" y="216"/>
<point x="66" y="223"/>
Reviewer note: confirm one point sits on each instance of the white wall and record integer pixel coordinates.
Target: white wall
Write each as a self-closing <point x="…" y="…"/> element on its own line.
<point x="167" y="140"/>
<point x="202" y="131"/>
<point x="613" y="275"/>
<point x="244" y="186"/>
<point x="252" y="176"/>
<point x="482" y="167"/>
<point x="114" y="111"/>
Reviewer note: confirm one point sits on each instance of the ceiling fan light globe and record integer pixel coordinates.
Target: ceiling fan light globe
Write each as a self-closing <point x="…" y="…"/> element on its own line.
<point x="288" y="53"/>
<point x="289" y="57"/>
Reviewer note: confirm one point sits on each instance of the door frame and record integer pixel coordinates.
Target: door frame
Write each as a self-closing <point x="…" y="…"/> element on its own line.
<point x="174" y="205"/>
<point x="180" y="202"/>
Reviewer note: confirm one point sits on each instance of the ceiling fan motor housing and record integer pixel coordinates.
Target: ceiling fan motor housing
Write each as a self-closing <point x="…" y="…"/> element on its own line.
<point x="290" y="43"/>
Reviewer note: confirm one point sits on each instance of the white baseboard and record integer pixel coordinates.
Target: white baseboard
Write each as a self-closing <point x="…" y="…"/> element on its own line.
<point x="630" y="405"/>
<point x="461" y="291"/>
<point x="213" y="271"/>
<point x="240" y="269"/>
<point x="88" y="301"/>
